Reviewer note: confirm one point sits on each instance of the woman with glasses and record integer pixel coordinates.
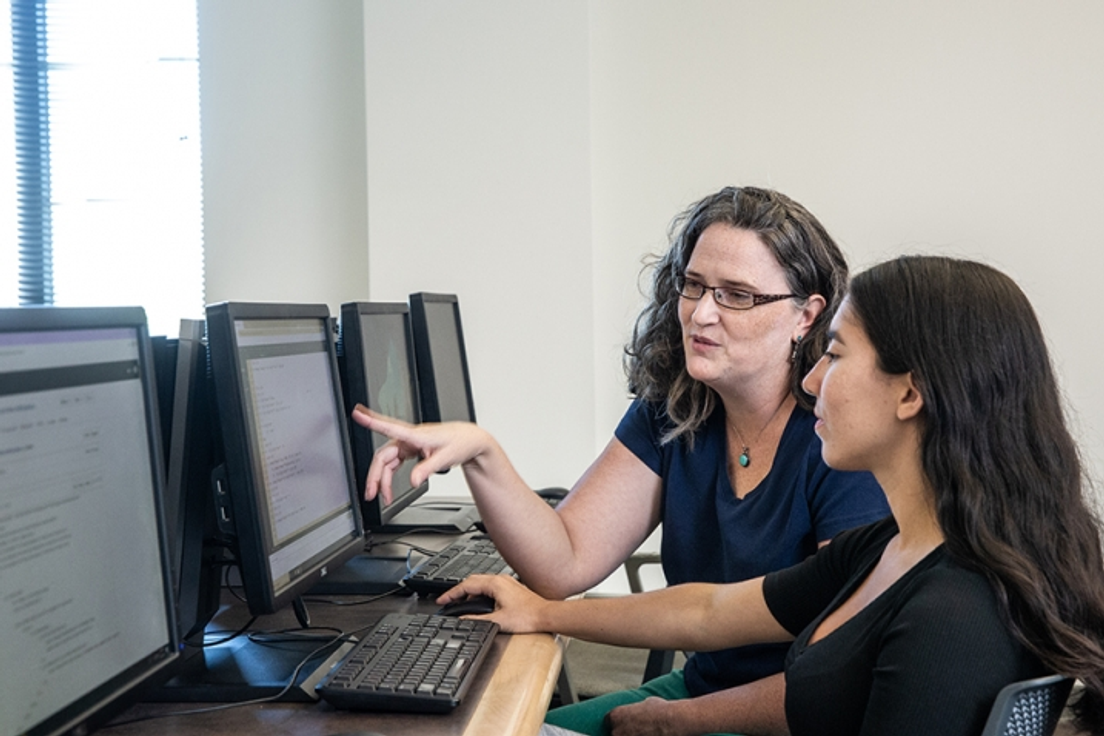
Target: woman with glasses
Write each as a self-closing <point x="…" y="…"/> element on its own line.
<point x="936" y="379"/>
<point x="718" y="446"/>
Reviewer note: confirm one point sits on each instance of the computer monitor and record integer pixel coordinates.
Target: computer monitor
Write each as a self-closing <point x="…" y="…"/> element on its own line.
<point x="379" y="371"/>
<point x="86" y="610"/>
<point x="196" y="551"/>
<point x="216" y="667"/>
<point x="441" y="358"/>
<point x="288" y="495"/>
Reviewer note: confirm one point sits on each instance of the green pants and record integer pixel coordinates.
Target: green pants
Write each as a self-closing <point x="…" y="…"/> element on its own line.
<point x="589" y="716"/>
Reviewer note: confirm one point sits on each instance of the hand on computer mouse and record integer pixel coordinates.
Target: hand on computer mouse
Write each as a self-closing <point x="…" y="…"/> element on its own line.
<point x="475" y="605"/>
<point x="517" y="609"/>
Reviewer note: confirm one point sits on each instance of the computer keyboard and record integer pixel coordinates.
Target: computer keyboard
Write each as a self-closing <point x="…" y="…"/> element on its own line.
<point x="469" y="556"/>
<point x="410" y="662"/>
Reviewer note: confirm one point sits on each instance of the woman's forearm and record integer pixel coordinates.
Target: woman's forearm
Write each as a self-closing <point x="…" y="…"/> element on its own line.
<point x="611" y="509"/>
<point x="696" y="616"/>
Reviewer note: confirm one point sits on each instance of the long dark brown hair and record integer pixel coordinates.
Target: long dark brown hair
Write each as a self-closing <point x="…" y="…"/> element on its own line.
<point x="654" y="359"/>
<point x="1010" y="491"/>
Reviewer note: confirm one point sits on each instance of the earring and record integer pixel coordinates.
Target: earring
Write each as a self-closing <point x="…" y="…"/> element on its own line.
<point x="796" y="346"/>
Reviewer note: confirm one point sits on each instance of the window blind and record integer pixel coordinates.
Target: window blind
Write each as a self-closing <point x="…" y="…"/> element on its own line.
<point x="105" y="113"/>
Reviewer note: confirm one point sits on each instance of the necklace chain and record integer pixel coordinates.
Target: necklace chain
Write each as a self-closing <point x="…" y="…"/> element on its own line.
<point x="745" y="456"/>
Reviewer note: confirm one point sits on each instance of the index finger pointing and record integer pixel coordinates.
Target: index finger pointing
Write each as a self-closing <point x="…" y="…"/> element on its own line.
<point x="385" y="425"/>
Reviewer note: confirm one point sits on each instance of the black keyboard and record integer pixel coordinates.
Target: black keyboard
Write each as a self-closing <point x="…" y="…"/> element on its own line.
<point x="455" y="562"/>
<point x="410" y="662"/>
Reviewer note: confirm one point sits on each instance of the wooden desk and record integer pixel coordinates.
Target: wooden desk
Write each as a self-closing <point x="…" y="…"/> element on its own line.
<point x="509" y="696"/>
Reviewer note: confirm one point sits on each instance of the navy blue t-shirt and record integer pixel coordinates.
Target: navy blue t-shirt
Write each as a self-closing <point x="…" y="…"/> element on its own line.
<point x="710" y="535"/>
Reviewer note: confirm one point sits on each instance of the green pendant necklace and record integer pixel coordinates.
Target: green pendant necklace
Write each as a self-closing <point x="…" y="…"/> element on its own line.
<point x="745" y="455"/>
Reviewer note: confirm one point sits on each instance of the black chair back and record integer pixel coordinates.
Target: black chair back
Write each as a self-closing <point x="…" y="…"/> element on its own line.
<point x="1029" y="708"/>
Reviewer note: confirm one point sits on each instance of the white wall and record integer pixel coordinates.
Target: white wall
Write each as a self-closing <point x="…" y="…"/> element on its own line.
<point x="967" y="128"/>
<point x="284" y="178"/>
<point x="941" y="127"/>
<point x="526" y="155"/>
<point x="479" y="185"/>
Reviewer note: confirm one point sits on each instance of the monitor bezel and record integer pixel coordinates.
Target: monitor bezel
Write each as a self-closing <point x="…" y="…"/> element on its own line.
<point x="356" y="378"/>
<point x="423" y="353"/>
<point x="107" y="699"/>
<point x="245" y="490"/>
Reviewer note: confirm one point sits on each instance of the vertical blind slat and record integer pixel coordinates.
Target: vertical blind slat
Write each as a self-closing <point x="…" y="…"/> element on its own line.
<point x="30" y="80"/>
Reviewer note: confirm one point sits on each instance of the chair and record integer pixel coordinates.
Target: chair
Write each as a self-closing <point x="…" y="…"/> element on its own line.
<point x="1029" y="708"/>
<point x="660" y="661"/>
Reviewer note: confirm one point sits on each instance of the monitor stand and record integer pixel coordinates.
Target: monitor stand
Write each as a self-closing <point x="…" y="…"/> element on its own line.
<point x="449" y="515"/>
<point x="241" y="669"/>
<point x="364" y="574"/>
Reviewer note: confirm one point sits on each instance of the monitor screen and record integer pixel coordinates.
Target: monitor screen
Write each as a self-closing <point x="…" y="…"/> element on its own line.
<point x="441" y="358"/>
<point x="379" y="373"/>
<point x="289" y="497"/>
<point x="85" y="598"/>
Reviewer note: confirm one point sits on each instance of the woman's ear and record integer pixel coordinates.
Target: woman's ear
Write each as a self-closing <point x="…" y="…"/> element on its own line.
<point x="911" y="402"/>
<point x="812" y="308"/>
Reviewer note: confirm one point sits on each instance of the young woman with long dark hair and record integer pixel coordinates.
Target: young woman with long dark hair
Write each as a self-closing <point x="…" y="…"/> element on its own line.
<point x="936" y="379"/>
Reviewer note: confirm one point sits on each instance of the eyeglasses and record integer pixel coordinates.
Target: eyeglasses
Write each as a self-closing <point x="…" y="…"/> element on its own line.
<point x="725" y="296"/>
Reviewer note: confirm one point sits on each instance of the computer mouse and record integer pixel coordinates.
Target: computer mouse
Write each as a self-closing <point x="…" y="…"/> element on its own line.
<point x="470" y="606"/>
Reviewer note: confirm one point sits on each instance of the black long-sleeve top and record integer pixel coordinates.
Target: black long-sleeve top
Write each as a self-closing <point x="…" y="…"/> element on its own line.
<point x="927" y="656"/>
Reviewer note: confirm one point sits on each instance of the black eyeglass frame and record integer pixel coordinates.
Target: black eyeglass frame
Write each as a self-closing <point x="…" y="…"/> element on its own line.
<point x="756" y="299"/>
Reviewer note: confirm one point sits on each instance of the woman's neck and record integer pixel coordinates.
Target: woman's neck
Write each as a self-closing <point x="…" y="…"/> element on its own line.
<point x="748" y="413"/>
<point x="912" y="503"/>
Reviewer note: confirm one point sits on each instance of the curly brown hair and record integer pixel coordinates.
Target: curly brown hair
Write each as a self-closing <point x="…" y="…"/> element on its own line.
<point x="654" y="359"/>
